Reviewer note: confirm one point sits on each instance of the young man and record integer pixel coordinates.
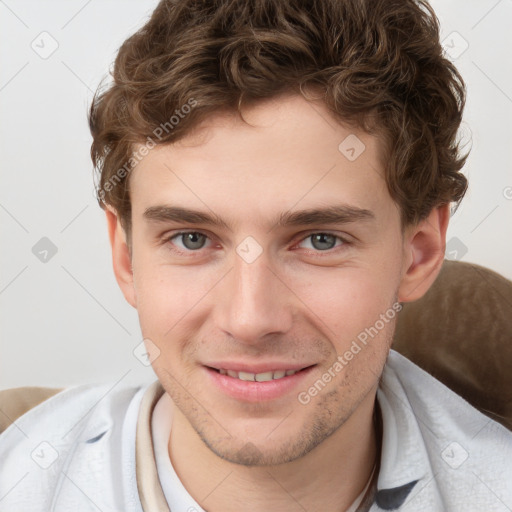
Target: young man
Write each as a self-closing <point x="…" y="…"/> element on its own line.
<point x="277" y="178"/>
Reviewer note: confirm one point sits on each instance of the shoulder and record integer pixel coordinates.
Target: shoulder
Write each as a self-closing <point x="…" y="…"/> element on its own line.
<point x="429" y="398"/>
<point x="72" y="433"/>
<point x="34" y="407"/>
<point x="17" y="401"/>
<point x="459" y="455"/>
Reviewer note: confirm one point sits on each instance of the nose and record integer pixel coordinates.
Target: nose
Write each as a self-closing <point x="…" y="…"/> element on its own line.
<point x="253" y="302"/>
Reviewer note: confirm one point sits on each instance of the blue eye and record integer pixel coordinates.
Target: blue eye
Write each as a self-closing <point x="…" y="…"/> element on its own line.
<point x="323" y="241"/>
<point x="194" y="241"/>
<point x="191" y="240"/>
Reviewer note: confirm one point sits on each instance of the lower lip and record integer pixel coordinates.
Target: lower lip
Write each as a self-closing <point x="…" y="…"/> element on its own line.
<point x="251" y="391"/>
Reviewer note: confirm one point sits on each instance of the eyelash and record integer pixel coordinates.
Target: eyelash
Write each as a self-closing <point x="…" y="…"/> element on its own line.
<point x="345" y="242"/>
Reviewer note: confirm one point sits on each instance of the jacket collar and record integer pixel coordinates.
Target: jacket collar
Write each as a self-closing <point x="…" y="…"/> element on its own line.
<point x="404" y="456"/>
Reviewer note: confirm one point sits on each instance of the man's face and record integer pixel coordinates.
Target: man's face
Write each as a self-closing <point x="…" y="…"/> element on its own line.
<point x="257" y="295"/>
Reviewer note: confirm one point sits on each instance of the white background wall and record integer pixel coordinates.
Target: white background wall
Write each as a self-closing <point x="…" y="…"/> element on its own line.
<point x="65" y="322"/>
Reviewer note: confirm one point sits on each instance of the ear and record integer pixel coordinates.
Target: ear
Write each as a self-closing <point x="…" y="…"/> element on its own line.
<point x="121" y="258"/>
<point x="424" y="249"/>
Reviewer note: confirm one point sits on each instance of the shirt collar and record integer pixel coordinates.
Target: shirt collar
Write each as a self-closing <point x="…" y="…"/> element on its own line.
<point x="150" y="491"/>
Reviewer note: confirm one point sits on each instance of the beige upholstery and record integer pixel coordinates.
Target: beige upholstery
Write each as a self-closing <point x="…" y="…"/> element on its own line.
<point x="17" y="401"/>
<point x="461" y="332"/>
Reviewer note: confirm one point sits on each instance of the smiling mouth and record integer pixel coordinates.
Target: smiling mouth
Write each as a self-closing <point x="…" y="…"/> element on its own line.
<point x="259" y="377"/>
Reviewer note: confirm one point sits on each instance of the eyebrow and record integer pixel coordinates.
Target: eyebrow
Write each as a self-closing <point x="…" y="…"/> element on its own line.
<point x="336" y="214"/>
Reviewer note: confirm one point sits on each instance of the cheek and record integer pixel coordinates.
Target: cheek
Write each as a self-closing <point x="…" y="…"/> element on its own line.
<point x="167" y="295"/>
<point x="353" y="308"/>
<point x="345" y="301"/>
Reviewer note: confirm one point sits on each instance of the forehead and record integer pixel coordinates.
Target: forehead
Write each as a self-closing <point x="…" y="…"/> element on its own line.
<point x="289" y="152"/>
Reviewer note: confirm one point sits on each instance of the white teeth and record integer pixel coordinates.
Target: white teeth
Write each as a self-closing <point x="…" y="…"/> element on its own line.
<point x="258" y="377"/>
<point x="264" y="377"/>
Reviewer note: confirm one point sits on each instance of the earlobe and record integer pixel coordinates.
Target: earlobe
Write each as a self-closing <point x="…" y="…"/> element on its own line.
<point x="121" y="258"/>
<point x="424" y="248"/>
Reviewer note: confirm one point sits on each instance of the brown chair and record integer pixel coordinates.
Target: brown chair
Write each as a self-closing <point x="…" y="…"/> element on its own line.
<point x="460" y="332"/>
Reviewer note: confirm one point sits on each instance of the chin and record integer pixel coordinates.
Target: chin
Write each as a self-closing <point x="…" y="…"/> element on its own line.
<point x="246" y="453"/>
<point x="269" y="447"/>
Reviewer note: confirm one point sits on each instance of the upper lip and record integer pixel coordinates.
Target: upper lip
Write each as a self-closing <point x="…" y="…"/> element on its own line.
<point x="256" y="367"/>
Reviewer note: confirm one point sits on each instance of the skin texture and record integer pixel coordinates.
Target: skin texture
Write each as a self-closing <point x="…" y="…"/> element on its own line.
<point x="295" y="303"/>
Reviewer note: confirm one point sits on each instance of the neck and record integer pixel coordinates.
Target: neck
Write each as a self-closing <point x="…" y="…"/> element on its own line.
<point x="328" y="478"/>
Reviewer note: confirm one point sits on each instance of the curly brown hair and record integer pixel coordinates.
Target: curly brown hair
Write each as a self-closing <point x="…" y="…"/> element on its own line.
<point x="379" y="66"/>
